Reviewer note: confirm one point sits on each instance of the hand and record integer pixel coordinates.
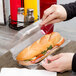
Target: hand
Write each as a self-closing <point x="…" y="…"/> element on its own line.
<point x="59" y="63"/>
<point x="54" y="14"/>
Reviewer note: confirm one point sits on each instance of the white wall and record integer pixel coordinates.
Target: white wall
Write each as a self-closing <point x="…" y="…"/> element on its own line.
<point x="1" y="13"/>
<point x="7" y="9"/>
<point x="38" y="2"/>
<point x="64" y="1"/>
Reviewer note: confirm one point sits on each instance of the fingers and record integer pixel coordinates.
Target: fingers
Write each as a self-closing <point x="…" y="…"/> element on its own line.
<point x="53" y="21"/>
<point x="49" y="58"/>
<point x="46" y="61"/>
<point x="47" y="12"/>
<point x="57" y="64"/>
<point x="52" y="58"/>
<point x="49" y="18"/>
<point x="54" y="14"/>
<point x="50" y="67"/>
<point x="47" y="66"/>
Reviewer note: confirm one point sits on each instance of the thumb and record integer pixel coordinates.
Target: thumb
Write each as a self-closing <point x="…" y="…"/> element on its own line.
<point x="52" y="58"/>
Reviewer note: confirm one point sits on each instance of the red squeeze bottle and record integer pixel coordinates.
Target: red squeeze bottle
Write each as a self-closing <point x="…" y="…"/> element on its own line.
<point x="44" y="4"/>
<point x="47" y="29"/>
<point x="14" y="5"/>
<point x="22" y="3"/>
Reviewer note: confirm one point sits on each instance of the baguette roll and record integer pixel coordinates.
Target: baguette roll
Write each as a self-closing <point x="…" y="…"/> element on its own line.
<point x="53" y="39"/>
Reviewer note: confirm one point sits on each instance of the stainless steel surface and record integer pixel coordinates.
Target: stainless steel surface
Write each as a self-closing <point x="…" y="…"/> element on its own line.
<point x="6" y="35"/>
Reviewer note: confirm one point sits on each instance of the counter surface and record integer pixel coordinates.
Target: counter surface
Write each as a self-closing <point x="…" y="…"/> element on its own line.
<point x="7" y="34"/>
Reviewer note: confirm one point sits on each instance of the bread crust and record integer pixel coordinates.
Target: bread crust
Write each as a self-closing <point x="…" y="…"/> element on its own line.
<point x="39" y="46"/>
<point x="27" y="63"/>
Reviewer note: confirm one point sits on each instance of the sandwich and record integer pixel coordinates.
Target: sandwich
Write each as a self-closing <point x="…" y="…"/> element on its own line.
<point x="40" y="49"/>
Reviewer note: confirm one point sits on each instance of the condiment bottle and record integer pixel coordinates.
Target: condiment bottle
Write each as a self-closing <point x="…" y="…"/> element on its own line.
<point x="20" y="17"/>
<point x="14" y="5"/>
<point x="31" y="4"/>
<point x="44" y="4"/>
<point x="30" y="17"/>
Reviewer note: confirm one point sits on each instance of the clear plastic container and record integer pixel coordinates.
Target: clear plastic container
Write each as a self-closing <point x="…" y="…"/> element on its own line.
<point x="26" y="37"/>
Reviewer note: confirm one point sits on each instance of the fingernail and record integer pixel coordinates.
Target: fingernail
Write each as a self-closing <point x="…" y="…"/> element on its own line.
<point x="41" y="62"/>
<point x="48" y="57"/>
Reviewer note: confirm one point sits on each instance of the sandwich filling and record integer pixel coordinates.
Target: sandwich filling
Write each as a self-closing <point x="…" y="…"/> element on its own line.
<point x="41" y="54"/>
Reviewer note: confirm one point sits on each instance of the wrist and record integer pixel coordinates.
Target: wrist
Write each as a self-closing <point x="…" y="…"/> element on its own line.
<point x="74" y="63"/>
<point x="66" y="12"/>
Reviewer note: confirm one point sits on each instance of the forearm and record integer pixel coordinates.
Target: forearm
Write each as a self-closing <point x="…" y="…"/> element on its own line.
<point x="74" y="63"/>
<point x="70" y="9"/>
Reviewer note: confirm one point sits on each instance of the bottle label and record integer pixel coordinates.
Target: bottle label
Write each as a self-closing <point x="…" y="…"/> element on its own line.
<point x="20" y="18"/>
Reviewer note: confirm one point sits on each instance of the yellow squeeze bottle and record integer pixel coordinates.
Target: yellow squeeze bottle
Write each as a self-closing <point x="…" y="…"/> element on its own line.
<point x="31" y="4"/>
